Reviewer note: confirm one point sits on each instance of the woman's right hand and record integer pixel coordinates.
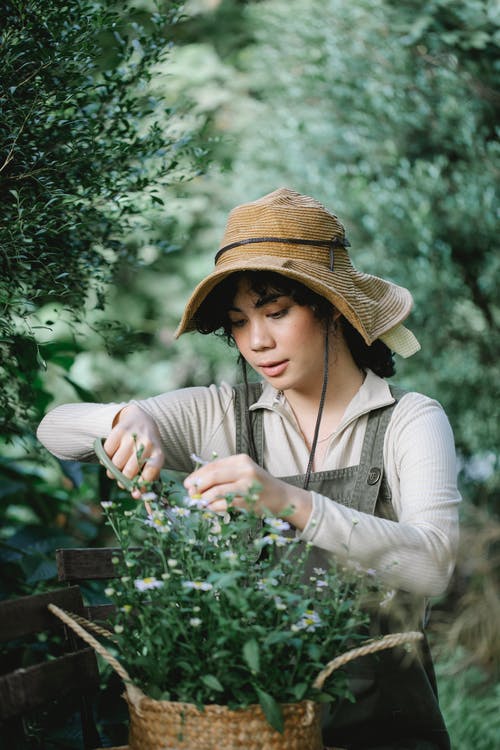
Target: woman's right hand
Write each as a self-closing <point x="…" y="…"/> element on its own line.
<point x="135" y="431"/>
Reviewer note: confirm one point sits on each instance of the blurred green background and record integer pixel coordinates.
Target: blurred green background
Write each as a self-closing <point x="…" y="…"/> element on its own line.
<point x="127" y="134"/>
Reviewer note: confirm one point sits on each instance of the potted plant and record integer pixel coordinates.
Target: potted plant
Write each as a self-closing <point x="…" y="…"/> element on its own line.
<point x="221" y="626"/>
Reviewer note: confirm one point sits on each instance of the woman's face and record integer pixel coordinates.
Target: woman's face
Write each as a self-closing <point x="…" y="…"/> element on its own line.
<point x="282" y="340"/>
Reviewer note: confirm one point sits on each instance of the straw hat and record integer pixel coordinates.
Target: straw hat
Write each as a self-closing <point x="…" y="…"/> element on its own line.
<point x="298" y="237"/>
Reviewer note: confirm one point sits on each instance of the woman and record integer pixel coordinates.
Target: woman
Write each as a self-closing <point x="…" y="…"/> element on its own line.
<point x="367" y="470"/>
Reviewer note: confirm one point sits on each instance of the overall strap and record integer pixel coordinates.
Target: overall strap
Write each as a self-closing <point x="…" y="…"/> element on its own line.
<point x="370" y="477"/>
<point x="248" y="420"/>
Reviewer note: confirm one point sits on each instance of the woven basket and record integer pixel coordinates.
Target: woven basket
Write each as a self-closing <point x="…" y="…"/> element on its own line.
<point x="168" y="725"/>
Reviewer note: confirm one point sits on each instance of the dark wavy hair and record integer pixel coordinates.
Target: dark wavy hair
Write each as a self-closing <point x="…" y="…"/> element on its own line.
<point x="212" y="315"/>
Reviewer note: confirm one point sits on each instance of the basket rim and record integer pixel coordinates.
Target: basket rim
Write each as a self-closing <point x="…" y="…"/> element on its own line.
<point x="217" y="707"/>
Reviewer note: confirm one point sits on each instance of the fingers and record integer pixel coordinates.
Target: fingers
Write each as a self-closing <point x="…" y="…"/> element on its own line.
<point x="146" y="469"/>
<point x="123" y="453"/>
<point x="126" y="456"/>
<point x="218" y="506"/>
<point x="219" y="494"/>
<point x="223" y="469"/>
<point x="112" y="442"/>
<point x="226" y="476"/>
<point x="221" y="504"/>
<point x="134" y="446"/>
<point x="151" y="466"/>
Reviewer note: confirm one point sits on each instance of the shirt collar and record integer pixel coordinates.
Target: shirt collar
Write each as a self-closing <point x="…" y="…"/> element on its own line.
<point x="373" y="394"/>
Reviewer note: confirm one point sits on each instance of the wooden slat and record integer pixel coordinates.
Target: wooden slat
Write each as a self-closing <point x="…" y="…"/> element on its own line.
<point x="76" y="564"/>
<point x="29" y="614"/>
<point x="27" y="689"/>
<point x="75" y="674"/>
<point x="99" y="612"/>
<point x="81" y="564"/>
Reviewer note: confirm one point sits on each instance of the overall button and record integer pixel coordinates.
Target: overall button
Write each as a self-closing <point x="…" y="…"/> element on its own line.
<point x="374" y="475"/>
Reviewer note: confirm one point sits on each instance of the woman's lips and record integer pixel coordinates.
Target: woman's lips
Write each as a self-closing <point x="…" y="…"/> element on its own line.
<point x="273" y="369"/>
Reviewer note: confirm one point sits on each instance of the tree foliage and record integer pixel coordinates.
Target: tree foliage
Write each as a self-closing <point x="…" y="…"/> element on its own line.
<point x="84" y="148"/>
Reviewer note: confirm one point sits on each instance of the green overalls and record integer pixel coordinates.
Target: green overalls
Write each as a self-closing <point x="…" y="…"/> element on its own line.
<point x="396" y="705"/>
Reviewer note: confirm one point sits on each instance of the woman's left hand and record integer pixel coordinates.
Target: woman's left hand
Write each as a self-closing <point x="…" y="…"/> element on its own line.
<point x="236" y="475"/>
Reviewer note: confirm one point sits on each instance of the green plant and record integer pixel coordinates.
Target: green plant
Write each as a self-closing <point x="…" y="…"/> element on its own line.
<point x="37" y="517"/>
<point x="226" y="609"/>
<point x="469" y="699"/>
<point x="86" y="145"/>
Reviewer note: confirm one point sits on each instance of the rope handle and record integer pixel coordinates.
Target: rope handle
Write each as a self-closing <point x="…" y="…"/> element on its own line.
<point x="78" y="625"/>
<point x="94" y="627"/>
<point x="71" y="621"/>
<point x="371" y="647"/>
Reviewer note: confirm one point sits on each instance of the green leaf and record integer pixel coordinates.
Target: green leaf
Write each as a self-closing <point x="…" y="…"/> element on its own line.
<point x="251" y="655"/>
<point x="212" y="682"/>
<point x="274" y="638"/>
<point x="37" y="568"/>
<point x="299" y="690"/>
<point x="272" y="710"/>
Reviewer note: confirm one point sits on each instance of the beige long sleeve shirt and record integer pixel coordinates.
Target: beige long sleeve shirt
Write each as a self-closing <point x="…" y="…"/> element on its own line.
<point x="415" y="553"/>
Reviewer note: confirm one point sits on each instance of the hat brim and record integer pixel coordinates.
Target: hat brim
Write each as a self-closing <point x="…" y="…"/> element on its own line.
<point x="336" y="288"/>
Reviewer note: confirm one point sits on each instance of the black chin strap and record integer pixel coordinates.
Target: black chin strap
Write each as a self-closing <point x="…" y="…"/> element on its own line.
<point x="320" y="414"/>
<point x="252" y="448"/>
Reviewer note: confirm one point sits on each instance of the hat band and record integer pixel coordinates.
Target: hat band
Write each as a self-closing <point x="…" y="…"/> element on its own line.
<point x="333" y="243"/>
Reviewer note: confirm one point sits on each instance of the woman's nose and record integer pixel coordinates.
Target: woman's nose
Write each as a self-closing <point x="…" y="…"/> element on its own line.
<point x="260" y="337"/>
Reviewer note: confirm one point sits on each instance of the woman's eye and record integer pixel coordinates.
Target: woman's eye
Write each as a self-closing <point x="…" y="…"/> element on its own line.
<point x="278" y="313"/>
<point x="237" y="323"/>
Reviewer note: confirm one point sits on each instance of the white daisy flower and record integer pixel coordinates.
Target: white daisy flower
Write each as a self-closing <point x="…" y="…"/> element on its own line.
<point x="180" y="511"/>
<point x="277" y="539"/>
<point x="277" y="524"/>
<point x="149" y="497"/>
<point x="144" y="584"/>
<point x="198" y="585"/>
<point x="309" y="621"/>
